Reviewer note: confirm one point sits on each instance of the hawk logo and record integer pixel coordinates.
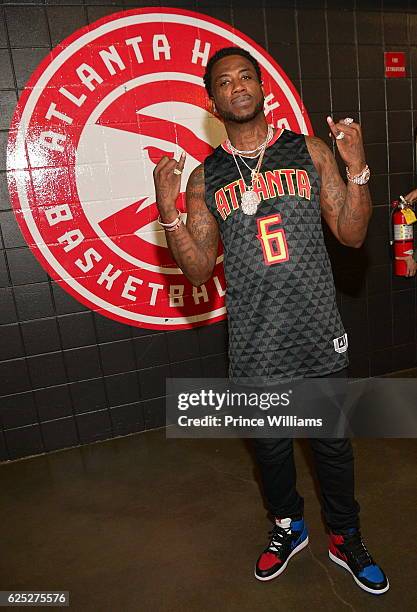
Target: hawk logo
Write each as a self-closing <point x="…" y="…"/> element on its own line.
<point x="93" y="121"/>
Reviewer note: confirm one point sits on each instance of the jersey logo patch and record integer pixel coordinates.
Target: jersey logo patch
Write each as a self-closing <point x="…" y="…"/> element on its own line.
<point x="341" y="344"/>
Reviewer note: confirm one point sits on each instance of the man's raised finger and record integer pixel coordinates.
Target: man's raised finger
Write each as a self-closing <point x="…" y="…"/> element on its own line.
<point x="181" y="163"/>
<point x="338" y="130"/>
<point x="169" y="166"/>
<point x="161" y="164"/>
<point x="333" y="127"/>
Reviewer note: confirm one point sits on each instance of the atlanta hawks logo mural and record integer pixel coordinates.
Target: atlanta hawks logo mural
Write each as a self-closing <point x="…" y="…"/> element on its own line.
<point x="93" y="121"/>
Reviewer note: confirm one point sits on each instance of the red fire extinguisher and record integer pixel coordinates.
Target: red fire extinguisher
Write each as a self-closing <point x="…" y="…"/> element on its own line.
<point x="402" y="236"/>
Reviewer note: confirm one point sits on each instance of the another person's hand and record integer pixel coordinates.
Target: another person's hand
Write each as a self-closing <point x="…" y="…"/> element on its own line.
<point x="412" y="196"/>
<point x="411" y="265"/>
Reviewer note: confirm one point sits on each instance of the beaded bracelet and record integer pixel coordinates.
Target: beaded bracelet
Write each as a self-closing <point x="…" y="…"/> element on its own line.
<point x="178" y="223"/>
<point x="172" y="223"/>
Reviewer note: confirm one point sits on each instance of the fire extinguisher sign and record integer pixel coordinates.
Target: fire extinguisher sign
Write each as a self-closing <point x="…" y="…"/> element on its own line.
<point x="394" y="64"/>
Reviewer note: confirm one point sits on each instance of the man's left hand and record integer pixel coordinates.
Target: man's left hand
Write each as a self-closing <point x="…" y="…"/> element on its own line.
<point x="350" y="146"/>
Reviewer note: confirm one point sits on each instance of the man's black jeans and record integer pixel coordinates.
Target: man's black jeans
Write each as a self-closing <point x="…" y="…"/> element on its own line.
<point x="335" y="471"/>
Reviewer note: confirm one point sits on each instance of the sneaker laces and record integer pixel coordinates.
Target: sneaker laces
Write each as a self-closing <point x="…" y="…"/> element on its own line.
<point x="278" y="536"/>
<point x="358" y="550"/>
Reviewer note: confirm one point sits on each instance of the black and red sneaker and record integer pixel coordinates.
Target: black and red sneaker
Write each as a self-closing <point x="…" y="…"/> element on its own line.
<point x="288" y="537"/>
<point x="348" y="550"/>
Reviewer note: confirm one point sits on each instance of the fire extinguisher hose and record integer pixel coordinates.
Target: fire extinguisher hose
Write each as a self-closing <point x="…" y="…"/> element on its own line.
<point x="391" y="229"/>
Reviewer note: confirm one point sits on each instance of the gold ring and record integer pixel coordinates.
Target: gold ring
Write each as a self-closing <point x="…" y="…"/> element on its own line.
<point x="176" y="171"/>
<point x="340" y="136"/>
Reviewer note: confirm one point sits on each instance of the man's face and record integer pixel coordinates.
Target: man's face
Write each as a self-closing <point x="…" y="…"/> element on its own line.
<point x="237" y="93"/>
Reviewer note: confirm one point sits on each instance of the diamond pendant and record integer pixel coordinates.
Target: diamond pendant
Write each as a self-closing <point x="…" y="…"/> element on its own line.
<point x="249" y="202"/>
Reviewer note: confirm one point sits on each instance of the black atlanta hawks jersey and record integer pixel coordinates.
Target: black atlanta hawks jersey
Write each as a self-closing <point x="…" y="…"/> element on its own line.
<point x="280" y="297"/>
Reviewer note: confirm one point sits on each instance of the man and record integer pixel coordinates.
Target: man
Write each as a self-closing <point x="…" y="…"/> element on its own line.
<point x="265" y="191"/>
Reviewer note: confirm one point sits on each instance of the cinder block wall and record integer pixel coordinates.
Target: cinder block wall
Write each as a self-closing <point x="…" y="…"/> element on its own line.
<point x="69" y="376"/>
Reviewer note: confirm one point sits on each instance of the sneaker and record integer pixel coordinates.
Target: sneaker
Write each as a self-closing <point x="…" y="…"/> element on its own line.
<point x="288" y="537"/>
<point x="348" y="550"/>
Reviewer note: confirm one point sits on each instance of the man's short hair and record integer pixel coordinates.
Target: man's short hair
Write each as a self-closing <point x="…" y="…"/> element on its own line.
<point x="224" y="53"/>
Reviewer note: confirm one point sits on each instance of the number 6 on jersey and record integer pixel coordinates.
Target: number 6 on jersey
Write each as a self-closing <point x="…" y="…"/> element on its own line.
<point x="273" y="241"/>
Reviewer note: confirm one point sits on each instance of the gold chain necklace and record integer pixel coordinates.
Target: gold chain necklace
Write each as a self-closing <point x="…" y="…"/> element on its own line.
<point x="250" y="199"/>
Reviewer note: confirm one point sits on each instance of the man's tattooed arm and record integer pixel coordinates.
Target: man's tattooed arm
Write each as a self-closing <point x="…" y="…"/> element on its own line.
<point x="194" y="245"/>
<point x="345" y="208"/>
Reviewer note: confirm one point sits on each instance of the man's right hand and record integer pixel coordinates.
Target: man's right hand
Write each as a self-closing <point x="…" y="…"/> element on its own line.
<point x="167" y="186"/>
<point x="194" y="246"/>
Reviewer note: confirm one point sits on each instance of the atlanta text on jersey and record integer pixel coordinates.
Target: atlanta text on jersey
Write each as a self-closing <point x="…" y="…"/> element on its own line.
<point x="269" y="184"/>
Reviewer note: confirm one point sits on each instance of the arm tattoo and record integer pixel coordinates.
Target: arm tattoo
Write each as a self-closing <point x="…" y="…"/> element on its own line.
<point x="346" y="209"/>
<point x="194" y="247"/>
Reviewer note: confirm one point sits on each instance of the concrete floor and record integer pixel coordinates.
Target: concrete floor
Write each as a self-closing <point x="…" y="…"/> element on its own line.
<point x="143" y="523"/>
